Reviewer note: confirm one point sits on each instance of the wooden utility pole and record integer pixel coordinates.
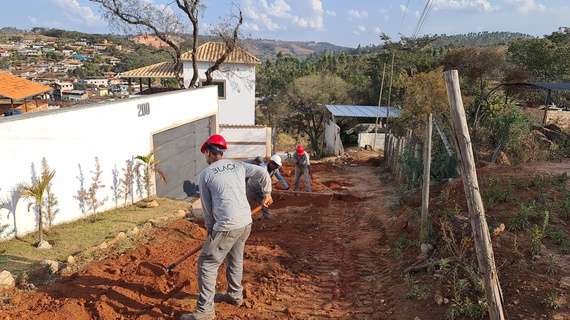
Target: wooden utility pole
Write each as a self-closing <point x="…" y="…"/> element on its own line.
<point x="378" y="109"/>
<point x="485" y="256"/>
<point x="427" y="170"/>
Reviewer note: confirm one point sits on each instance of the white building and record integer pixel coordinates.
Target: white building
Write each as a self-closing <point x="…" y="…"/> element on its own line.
<point x="71" y="139"/>
<point x="235" y="79"/>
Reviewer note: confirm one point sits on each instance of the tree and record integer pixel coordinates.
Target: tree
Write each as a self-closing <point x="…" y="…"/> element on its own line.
<point x="271" y="79"/>
<point x="150" y="166"/>
<point x="425" y="93"/>
<point x="306" y="98"/>
<point x="168" y="23"/>
<point x="483" y="69"/>
<point x="36" y="190"/>
<point x="90" y="196"/>
<point x="51" y="200"/>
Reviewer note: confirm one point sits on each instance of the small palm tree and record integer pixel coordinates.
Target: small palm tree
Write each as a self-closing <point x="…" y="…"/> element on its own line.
<point x="150" y="165"/>
<point x="36" y="190"/>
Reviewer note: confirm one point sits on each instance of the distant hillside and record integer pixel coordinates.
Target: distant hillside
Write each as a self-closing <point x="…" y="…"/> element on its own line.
<point x="480" y="39"/>
<point x="265" y="49"/>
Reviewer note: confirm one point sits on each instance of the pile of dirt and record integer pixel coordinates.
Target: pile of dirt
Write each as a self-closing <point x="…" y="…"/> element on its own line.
<point x="324" y="255"/>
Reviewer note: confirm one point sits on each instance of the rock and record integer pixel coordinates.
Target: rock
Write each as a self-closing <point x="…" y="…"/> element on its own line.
<point x="121" y="236"/>
<point x="152" y="204"/>
<point x="497" y="228"/>
<point x="44" y="245"/>
<point x="503" y="159"/>
<point x="102" y="246"/>
<point x="438" y="299"/>
<point x="426" y="248"/>
<point x="71" y="260"/>
<point x="133" y="231"/>
<point x="6" y="280"/>
<point x="180" y="214"/>
<point x="53" y="265"/>
<point x="565" y="282"/>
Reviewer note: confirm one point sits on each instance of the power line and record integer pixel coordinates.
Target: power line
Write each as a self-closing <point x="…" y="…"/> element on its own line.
<point x="423" y="18"/>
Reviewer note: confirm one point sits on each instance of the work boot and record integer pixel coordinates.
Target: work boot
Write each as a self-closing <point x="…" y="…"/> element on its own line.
<point x="226" y="298"/>
<point x="196" y="315"/>
<point x="266" y="216"/>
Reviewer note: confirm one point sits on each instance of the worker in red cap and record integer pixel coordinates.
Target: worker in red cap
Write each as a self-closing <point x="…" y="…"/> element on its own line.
<point x="227" y="218"/>
<point x="302" y="166"/>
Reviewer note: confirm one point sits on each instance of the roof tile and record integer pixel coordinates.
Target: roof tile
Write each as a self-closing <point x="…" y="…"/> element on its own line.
<point x="17" y="88"/>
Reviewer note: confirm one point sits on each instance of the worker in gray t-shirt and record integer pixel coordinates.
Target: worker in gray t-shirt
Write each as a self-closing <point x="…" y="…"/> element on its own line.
<point x="302" y="167"/>
<point x="227" y="218"/>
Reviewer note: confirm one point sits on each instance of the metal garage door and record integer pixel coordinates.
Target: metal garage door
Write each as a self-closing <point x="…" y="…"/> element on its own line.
<point x="181" y="159"/>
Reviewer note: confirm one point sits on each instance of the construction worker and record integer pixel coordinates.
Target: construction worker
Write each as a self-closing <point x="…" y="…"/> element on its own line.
<point x="254" y="190"/>
<point x="258" y="160"/>
<point x="302" y="166"/>
<point x="227" y="218"/>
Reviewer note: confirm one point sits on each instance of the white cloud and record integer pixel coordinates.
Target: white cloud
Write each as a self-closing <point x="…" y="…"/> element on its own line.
<point x="361" y="28"/>
<point x="284" y="14"/>
<point x="404" y="9"/>
<point x="78" y="14"/>
<point x="355" y="14"/>
<point x="464" y="5"/>
<point x="377" y="30"/>
<point x="384" y="14"/>
<point x="33" y="20"/>
<point x="525" y="6"/>
<point x="330" y="13"/>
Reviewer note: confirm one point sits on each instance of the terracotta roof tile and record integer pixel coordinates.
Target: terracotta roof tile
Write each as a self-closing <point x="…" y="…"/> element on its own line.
<point x="17" y="88"/>
<point x="211" y="51"/>
<point x="159" y="70"/>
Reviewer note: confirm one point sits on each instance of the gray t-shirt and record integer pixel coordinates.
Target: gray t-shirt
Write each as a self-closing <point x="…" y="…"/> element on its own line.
<point x="222" y="193"/>
<point x="303" y="160"/>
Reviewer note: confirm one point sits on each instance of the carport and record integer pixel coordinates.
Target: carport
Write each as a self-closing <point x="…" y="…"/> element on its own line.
<point x="333" y="143"/>
<point x="549" y="87"/>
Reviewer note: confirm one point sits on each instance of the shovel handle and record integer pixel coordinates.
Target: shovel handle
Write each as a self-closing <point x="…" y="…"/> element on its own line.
<point x="186" y="256"/>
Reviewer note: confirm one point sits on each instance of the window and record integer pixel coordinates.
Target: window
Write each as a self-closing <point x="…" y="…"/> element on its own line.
<point x="221" y="87"/>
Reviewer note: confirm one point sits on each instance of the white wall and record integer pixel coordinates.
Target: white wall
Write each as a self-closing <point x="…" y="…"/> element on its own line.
<point x="333" y="143"/>
<point x="368" y="139"/>
<point x="239" y="105"/>
<point x="71" y="138"/>
<point x="246" y="141"/>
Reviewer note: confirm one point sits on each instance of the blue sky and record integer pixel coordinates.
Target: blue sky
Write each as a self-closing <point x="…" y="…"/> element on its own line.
<point x="341" y="22"/>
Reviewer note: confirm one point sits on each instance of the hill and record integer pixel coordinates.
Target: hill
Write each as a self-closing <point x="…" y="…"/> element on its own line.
<point x="265" y="49"/>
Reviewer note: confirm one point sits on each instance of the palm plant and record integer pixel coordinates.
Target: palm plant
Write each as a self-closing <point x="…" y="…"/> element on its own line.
<point x="150" y="166"/>
<point x="36" y="190"/>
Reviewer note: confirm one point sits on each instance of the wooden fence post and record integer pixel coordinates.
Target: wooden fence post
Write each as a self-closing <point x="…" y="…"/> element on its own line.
<point x="427" y="169"/>
<point x="485" y="256"/>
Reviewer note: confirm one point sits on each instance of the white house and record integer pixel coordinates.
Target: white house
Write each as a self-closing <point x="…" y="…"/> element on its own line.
<point x="235" y="82"/>
<point x="235" y="79"/>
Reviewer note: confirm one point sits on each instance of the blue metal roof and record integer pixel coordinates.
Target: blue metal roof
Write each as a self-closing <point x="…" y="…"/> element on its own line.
<point x="362" y="111"/>
<point x="545" y="85"/>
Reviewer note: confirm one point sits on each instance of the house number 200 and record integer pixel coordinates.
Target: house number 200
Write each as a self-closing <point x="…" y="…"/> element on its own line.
<point x="144" y="109"/>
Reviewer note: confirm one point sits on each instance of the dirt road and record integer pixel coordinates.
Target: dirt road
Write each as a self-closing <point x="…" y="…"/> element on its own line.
<point x="320" y="256"/>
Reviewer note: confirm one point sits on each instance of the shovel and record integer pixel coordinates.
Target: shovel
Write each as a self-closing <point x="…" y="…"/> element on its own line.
<point x="186" y="256"/>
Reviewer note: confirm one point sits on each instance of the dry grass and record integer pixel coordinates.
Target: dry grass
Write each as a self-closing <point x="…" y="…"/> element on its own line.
<point x="20" y="255"/>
